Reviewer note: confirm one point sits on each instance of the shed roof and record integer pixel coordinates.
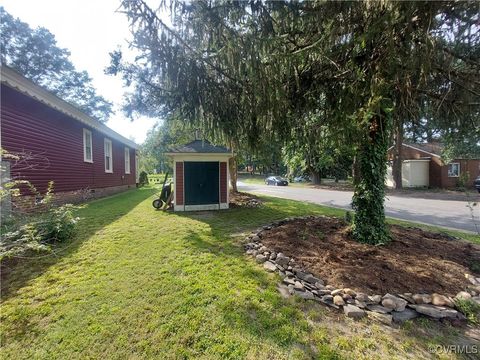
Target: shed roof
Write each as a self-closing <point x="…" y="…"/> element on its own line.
<point x="199" y="147"/>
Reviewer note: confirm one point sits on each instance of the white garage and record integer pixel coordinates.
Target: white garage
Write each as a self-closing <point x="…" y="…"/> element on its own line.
<point x="415" y="173"/>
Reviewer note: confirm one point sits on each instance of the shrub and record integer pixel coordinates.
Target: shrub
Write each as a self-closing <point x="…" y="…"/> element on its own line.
<point x="470" y="309"/>
<point x="143" y="179"/>
<point x="37" y="232"/>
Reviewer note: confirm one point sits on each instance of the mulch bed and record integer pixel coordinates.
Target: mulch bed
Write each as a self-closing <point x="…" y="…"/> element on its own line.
<point x="242" y="199"/>
<point x="415" y="261"/>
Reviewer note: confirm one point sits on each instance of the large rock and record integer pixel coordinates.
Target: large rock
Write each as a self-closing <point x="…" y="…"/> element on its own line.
<point x="307" y="295"/>
<point x="422" y="298"/>
<point x="338" y="300"/>
<point x="260" y="258"/>
<point x="362" y="297"/>
<point x="394" y="302"/>
<point x="269" y="266"/>
<point x="375" y="299"/>
<point x="383" y="318"/>
<point x="463" y="295"/>
<point x="442" y="300"/>
<point x="436" y="312"/>
<point x="378" y="308"/>
<point x="353" y="311"/>
<point x="350" y="292"/>
<point x="402" y="316"/>
<point x="282" y="260"/>
<point x="299" y="286"/>
<point x="337" y="292"/>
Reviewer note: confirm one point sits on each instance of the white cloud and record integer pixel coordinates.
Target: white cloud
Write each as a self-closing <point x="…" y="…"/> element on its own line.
<point x="90" y="30"/>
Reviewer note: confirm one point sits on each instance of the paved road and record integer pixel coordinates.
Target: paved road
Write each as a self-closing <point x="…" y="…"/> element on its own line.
<point x="446" y="213"/>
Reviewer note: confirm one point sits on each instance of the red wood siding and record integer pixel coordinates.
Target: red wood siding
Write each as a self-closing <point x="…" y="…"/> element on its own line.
<point x="223" y="182"/>
<point x="179" y="183"/>
<point x="55" y="141"/>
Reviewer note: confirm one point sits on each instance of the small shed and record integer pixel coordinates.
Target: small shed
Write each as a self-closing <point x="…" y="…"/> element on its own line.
<point x="200" y="176"/>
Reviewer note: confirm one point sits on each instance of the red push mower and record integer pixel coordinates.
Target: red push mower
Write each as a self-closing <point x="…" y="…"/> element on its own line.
<point x="165" y="198"/>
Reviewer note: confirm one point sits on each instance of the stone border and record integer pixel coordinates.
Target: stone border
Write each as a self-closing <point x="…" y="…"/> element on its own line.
<point x="386" y="309"/>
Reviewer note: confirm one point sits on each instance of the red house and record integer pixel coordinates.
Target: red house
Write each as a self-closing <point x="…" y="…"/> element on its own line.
<point x="58" y="142"/>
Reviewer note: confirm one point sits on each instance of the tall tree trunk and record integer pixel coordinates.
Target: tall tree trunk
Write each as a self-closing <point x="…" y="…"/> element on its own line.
<point x="368" y="200"/>
<point x="397" y="155"/>
<point x="356" y="170"/>
<point x="232" y="165"/>
<point x="316" y="177"/>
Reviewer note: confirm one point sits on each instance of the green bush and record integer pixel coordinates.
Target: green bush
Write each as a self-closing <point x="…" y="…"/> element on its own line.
<point x="143" y="178"/>
<point x="37" y="232"/>
<point x="470" y="309"/>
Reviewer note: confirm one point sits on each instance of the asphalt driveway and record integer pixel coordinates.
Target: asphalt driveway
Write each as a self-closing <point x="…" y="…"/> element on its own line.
<point x="452" y="214"/>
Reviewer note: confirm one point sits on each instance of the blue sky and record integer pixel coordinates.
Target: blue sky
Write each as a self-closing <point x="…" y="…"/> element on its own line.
<point x="90" y="30"/>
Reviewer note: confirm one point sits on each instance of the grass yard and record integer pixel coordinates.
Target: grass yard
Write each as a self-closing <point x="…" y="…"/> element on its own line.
<point x="138" y="283"/>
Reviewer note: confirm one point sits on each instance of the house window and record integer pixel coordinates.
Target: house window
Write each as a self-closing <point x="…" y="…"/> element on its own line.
<point x="454" y="170"/>
<point x="87" y="146"/>
<point x="127" y="160"/>
<point x="108" y="156"/>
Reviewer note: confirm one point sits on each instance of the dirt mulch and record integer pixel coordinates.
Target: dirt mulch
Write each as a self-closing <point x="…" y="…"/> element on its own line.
<point x="415" y="261"/>
<point x="245" y="200"/>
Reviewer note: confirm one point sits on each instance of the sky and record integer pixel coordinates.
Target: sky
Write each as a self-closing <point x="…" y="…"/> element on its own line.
<point x="89" y="29"/>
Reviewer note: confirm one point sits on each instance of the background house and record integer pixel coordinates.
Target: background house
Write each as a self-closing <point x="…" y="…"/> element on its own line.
<point x="422" y="166"/>
<point x="58" y="142"/>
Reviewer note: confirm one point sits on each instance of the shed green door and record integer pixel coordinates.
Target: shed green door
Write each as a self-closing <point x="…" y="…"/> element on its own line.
<point x="201" y="179"/>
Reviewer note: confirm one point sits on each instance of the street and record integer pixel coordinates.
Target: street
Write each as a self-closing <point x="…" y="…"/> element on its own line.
<point x="451" y="214"/>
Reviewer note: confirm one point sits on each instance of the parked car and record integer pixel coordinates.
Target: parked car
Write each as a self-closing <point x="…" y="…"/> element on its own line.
<point x="301" y="178"/>
<point x="276" y="180"/>
<point x="476" y="182"/>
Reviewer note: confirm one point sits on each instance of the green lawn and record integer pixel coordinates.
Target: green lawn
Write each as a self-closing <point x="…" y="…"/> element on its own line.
<point x="139" y="283"/>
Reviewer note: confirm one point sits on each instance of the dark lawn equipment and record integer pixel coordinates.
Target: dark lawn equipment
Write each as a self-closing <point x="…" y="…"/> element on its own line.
<point x="165" y="198"/>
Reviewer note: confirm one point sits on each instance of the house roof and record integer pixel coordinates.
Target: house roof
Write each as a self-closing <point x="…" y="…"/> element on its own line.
<point x="20" y="83"/>
<point x="199" y="147"/>
<point x="433" y="148"/>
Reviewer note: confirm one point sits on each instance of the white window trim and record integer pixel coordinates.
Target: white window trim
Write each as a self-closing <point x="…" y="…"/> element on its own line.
<point x="85" y="132"/>
<point x="105" y="142"/>
<point x="127" y="168"/>
<point x="453" y="176"/>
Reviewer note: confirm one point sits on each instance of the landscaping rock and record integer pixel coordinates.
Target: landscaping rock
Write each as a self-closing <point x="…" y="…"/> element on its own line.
<point x="282" y="260"/>
<point x="350" y="292"/>
<point x="330" y="287"/>
<point x="422" y="298"/>
<point x="463" y="295"/>
<point x="283" y="290"/>
<point x="375" y="299"/>
<point x="338" y="300"/>
<point x="378" y="308"/>
<point x="255" y="238"/>
<point x="260" y="258"/>
<point x="337" y="292"/>
<point x="402" y="316"/>
<point x="299" y="286"/>
<point x="307" y="295"/>
<point x="289" y="280"/>
<point x="269" y="266"/>
<point x="303" y="275"/>
<point x="291" y="290"/>
<point x="320" y="284"/>
<point x="327" y="298"/>
<point x="408" y="297"/>
<point x="442" y="300"/>
<point x="289" y="273"/>
<point x="472" y="279"/>
<point x="476" y="299"/>
<point x="383" y="318"/>
<point x="323" y="292"/>
<point x="393" y="302"/>
<point x="353" y="311"/>
<point x="273" y="255"/>
<point x="281" y="268"/>
<point x="362" y="297"/>
<point x="312" y="279"/>
<point x="436" y="312"/>
<point x="263" y="249"/>
<point x="347" y="297"/>
<point x="360" y="304"/>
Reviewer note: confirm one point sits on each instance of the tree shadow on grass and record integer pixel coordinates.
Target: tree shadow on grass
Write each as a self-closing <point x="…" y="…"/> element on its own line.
<point x="268" y="315"/>
<point x="94" y="215"/>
